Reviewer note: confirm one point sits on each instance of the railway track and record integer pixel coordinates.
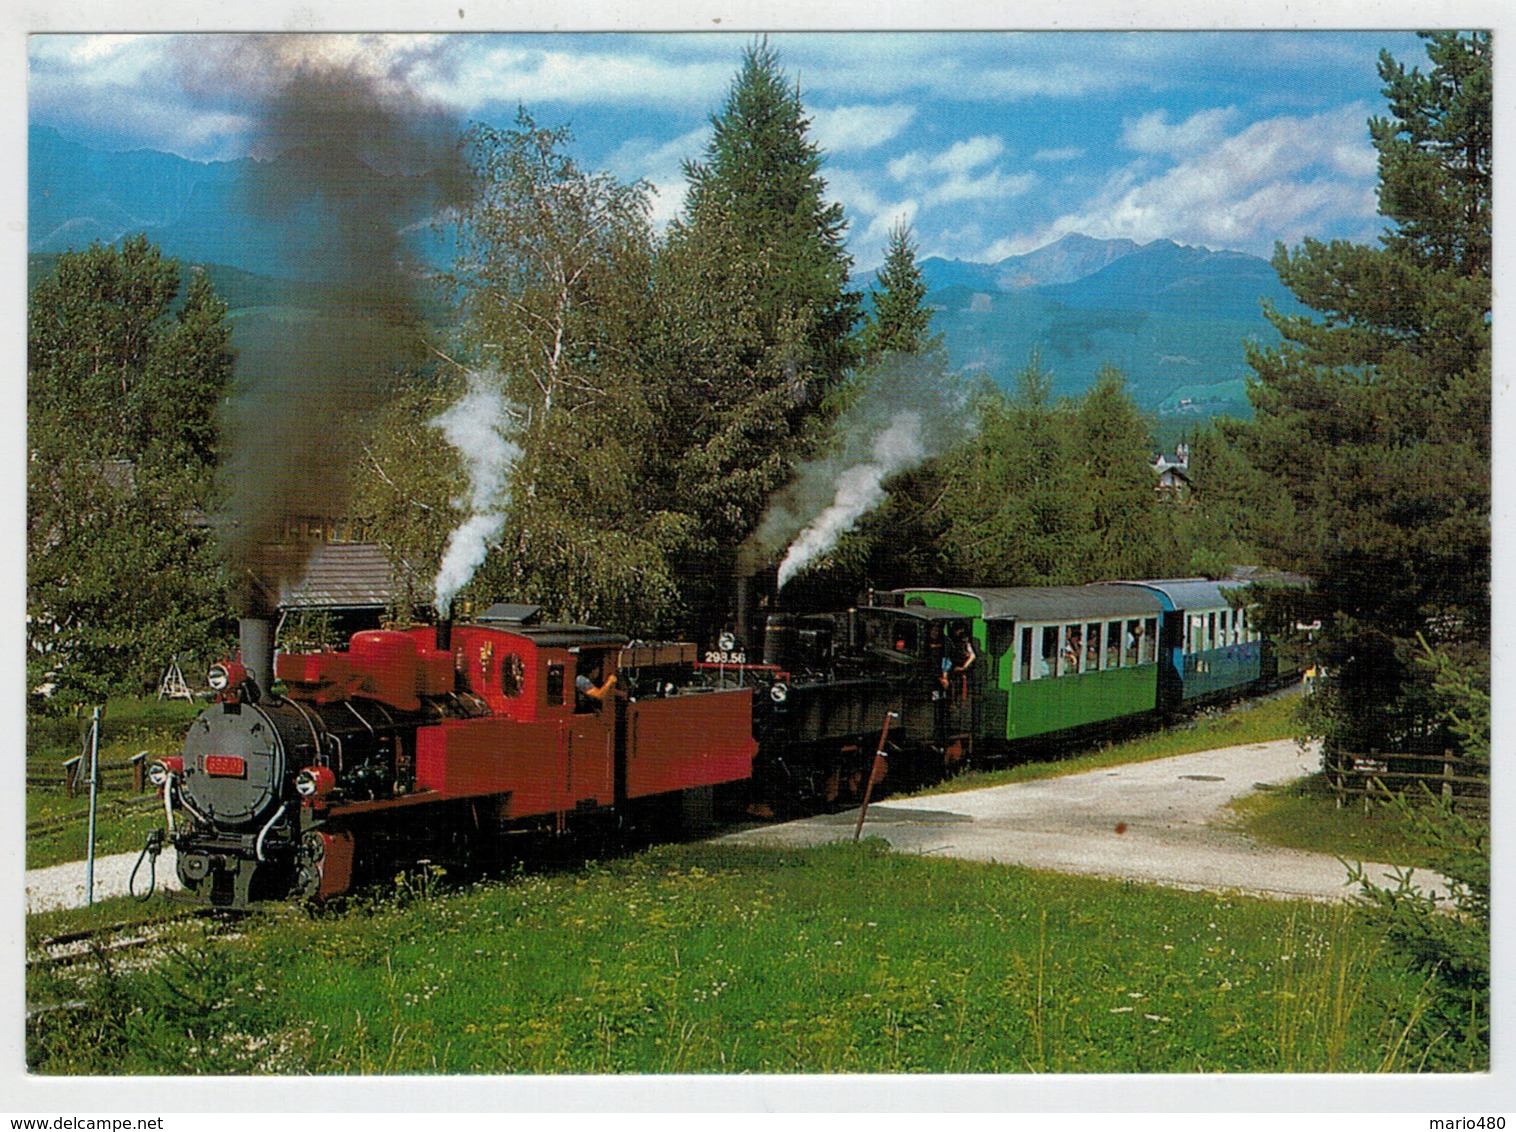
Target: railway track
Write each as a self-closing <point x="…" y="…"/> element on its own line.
<point x="67" y="949"/>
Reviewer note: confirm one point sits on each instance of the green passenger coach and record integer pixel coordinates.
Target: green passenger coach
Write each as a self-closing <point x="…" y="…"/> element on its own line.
<point x="1056" y="658"/>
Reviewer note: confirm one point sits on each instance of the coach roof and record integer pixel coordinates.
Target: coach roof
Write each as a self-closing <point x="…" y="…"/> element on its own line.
<point x="1057" y="603"/>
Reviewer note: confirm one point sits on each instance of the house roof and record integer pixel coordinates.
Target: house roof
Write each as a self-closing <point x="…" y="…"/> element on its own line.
<point x="342" y="575"/>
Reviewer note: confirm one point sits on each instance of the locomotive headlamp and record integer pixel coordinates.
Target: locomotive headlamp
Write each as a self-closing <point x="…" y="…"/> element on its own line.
<point x="226" y="676"/>
<point x="159" y="773"/>
<point x="779" y="692"/>
<point x="314" y="782"/>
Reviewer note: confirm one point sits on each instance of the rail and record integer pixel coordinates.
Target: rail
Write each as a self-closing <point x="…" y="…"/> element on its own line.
<point x="1461" y="782"/>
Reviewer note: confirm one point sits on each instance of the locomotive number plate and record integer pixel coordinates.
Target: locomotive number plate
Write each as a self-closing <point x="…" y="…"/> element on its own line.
<point x="225" y="766"/>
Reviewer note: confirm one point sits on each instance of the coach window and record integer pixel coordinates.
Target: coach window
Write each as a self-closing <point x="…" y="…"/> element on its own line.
<point x="1092" y="646"/>
<point x="1113" y="645"/>
<point x="1025" y="668"/>
<point x="1048" y="662"/>
<point x="1150" y="640"/>
<point x="555" y="685"/>
<point x="1133" y="632"/>
<point x="1197" y="626"/>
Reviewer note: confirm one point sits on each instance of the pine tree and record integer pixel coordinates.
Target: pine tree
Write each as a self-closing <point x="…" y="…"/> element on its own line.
<point x="1114" y="483"/>
<point x="899" y="322"/>
<point x="1013" y="514"/>
<point x="1374" y="419"/>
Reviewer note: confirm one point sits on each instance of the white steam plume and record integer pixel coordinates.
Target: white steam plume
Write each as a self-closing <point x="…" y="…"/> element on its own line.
<point x="907" y="411"/>
<point x="859" y="490"/>
<point x="476" y="427"/>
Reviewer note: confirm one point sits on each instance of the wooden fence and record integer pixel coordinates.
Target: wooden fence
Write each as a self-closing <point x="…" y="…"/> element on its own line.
<point x="1464" y="783"/>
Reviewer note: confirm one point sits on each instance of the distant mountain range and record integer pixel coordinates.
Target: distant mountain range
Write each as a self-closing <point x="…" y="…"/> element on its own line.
<point x="1173" y="319"/>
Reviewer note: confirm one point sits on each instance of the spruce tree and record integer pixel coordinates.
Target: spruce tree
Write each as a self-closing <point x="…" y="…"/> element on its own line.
<point x="753" y="327"/>
<point x="761" y="174"/>
<point x="1114" y="483"/>
<point x="899" y="323"/>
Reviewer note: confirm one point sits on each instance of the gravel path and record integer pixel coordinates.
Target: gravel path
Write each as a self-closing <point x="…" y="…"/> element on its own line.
<point x="62" y="886"/>
<point x="1161" y="822"/>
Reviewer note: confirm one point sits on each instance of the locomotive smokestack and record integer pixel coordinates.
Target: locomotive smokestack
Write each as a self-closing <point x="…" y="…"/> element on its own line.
<point x="445" y="634"/>
<point x="744" y="609"/>
<point x="256" y="637"/>
<point x="256" y="606"/>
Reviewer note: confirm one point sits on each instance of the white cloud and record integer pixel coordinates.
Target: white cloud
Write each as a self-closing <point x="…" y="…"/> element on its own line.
<point x="954" y="174"/>
<point x="1067" y="153"/>
<point x="963" y="156"/>
<point x="992" y="186"/>
<point x="851" y="128"/>
<point x="516" y="71"/>
<point x="959" y="158"/>
<point x="1278" y="179"/>
<point x="871" y="214"/>
<point x="1038" y="81"/>
<point x="1151" y="132"/>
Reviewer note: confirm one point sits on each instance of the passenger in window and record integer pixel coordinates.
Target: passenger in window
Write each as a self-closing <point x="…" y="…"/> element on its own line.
<point x="1072" y="651"/>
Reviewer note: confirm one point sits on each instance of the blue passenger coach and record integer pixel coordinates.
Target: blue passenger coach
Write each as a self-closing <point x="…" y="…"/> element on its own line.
<point x="1209" y="649"/>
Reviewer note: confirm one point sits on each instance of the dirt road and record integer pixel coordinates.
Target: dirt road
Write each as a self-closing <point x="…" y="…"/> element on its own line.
<point x="1162" y="822"/>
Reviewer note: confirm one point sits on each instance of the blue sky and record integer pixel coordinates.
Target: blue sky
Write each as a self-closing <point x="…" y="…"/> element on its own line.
<point x="989" y="144"/>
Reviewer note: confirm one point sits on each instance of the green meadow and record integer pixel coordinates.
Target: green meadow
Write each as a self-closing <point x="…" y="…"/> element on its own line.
<point x="703" y="958"/>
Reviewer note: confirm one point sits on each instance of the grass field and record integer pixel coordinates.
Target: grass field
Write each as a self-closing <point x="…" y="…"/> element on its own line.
<point x="1305" y="815"/>
<point x="700" y="959"/>
<point x="57" y="823"/>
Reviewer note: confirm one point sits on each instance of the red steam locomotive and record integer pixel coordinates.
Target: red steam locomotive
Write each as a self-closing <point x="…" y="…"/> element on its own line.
<point x="437" y="738"/>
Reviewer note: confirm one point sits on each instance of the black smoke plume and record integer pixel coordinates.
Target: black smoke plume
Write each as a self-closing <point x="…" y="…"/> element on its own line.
<point x="349" y="156"/>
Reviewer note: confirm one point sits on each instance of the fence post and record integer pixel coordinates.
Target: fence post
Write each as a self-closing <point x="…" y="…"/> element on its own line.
<point x="94" y="791"/>
<point x="139" y="772"/>
<point x="1447" y="775"/>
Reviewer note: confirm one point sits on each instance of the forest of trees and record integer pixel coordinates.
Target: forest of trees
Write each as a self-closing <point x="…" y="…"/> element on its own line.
<point x="659" y="389"/>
